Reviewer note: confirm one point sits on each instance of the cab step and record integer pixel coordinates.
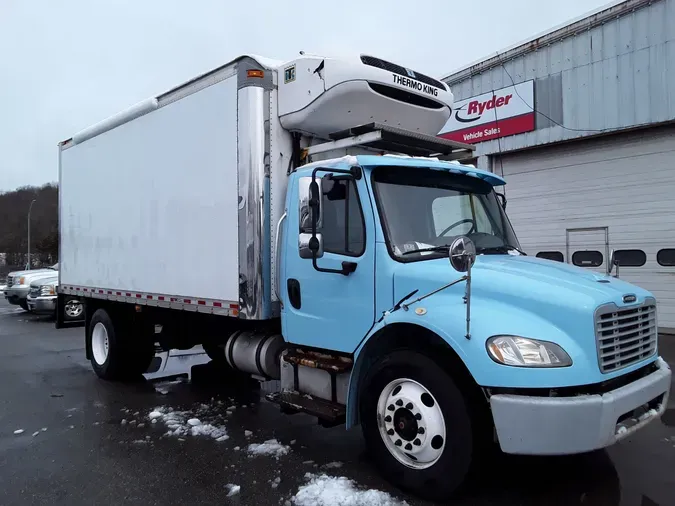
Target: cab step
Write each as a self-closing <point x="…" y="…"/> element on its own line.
<point x="329" y="413"/>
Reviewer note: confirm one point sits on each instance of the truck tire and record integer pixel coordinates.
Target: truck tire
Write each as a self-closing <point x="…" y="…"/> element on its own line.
<point x="24" y="305"/>
<point x="417" y="425"/>
<point x="116" y="356"/>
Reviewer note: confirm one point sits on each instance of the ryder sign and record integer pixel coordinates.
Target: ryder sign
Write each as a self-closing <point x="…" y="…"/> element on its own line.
<point x="507" y="111"/>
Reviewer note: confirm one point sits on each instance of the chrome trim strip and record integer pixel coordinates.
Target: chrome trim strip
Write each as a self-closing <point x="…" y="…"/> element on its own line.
<point x="254" y="291"/>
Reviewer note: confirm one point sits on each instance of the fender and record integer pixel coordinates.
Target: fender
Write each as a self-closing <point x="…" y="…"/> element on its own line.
<point x="373" y="346"/>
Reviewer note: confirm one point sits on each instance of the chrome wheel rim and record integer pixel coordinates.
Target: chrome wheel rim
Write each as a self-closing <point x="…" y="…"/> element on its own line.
<point x="73" y="308"/>
<point x="100" y="345"/>
<point x="411" y="423"/>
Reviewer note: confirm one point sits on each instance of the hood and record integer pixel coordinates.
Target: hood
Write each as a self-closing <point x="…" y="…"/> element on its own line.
<point x="32" y="275"/>
<point x="519" y="295"/>
<point x="526" y="280"/>
<point x="32" y="271"/>
<point x="42" y="281"/>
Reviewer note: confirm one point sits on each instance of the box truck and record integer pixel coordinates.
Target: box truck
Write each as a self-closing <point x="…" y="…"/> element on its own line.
<point x="303" y="222"/>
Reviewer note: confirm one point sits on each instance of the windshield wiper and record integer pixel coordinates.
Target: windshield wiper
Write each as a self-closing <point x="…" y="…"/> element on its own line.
<point x="505" y="248"/>
<point x="443" y="247"/>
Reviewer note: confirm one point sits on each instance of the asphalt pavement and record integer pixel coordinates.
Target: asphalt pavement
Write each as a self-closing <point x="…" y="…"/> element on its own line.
<point x="85" y="441"/>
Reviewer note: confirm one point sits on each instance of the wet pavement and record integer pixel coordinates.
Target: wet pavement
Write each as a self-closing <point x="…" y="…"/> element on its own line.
<point x="85" y="441"/>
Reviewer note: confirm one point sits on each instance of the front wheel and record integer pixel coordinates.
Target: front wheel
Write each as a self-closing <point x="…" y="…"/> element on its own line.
<point x="417" y="425"/>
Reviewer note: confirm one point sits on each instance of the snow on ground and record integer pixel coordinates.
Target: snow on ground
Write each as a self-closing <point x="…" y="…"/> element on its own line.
<point x="232" y="489"/>
<point x="164" y="387"/>
<point x="323" y="490"/>
<point x="271" y="448"/>
<point x="204" y="421"/>
<point x="332" y="465"/>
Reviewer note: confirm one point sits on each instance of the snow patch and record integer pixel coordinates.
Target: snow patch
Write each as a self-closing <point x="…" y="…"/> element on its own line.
<point x="270" y="448"/>
<point x="18" y="431"/>
<point x="248" y="433"/>
<point x="649" y="414"/>
<point x="275" y="482"/>
<point x="332" y="465"/>
<point x="232" y="489"/>
<point x="323" y="490"/>
<point x="185" y="423"/>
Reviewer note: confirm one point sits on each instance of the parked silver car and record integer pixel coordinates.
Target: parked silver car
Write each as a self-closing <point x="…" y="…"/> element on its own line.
<point x="42" y="295"/>
<point x="18" y="284"/>
<point x="42" y="299"/>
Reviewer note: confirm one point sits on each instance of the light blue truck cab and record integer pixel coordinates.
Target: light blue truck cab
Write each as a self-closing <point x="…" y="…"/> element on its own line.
<point x="548" y="358"/>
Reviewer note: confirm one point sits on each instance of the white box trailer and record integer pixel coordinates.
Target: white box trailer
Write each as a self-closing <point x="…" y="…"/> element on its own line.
<point x="174" y="203"/>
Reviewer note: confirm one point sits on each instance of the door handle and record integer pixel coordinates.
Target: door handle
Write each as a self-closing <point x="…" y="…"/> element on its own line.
<point x="348" y="268"/>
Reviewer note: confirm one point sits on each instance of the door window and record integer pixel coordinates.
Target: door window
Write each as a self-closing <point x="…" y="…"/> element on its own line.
<point x="343" y="227"/>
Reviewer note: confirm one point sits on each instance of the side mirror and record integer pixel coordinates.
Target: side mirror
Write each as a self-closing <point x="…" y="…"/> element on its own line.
<point x="308" y="245"/>
<point x="502" y="199"/>
<point x="309" y="201"/>
<point x="462" y="254"/>
<point x="613" y="262"/>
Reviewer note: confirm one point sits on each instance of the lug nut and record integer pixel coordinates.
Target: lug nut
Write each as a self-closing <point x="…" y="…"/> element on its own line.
<point x="391" y="407"/>
<point x="390" y="432"/>
<point x="408" y="447"/>
<point x="409" y="405"/>
<point x="418" y="417"/>
<point x="417" y="442"/>
<point x="398" y="442"/>
<point x="420" y="430"/>
<point x="387" y="419"/>
<point x="399" y="402"/>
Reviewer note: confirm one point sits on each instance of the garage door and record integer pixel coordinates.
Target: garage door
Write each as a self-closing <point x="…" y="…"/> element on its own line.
<point x="575" y="202"/>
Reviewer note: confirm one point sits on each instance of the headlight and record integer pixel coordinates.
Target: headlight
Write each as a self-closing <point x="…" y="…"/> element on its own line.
<point x="46" y="290"/>
<point x="522" y="352"/>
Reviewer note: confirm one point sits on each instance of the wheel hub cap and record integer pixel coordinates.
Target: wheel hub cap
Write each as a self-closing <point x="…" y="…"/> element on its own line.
<point x="411" y="423"/>
<point x="100" y="345"/>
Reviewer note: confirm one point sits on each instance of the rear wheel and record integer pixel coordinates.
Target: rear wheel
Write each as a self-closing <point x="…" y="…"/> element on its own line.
<point x="417" y="425"/>
<point x="116" y="353"/>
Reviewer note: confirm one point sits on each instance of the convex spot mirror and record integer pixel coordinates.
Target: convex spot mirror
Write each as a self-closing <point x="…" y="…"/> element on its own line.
<point x="462" y="254"/>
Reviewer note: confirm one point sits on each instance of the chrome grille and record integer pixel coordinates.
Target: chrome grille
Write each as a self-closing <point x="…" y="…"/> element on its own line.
<point x="34" y="291"/>
<point x="625" y="335"/>
<point x="10" y="281"/>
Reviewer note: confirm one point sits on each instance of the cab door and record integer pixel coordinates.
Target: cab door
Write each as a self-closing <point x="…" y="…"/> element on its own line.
<point x="322" y="307"/>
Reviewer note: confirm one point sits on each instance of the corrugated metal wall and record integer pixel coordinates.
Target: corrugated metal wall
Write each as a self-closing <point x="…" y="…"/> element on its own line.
<point x="619" y="74"/>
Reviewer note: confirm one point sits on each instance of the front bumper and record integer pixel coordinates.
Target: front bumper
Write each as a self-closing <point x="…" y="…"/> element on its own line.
<point x="17" y="293"/>
<point x="530" y="425"/>
<point x="43" y="304"/>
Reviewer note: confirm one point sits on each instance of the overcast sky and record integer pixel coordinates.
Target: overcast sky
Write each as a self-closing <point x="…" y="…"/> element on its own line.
<point x="67" y="64"/>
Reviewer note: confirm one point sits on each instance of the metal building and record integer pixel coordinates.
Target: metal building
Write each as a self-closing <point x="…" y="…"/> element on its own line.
<point x="581" y="122"/>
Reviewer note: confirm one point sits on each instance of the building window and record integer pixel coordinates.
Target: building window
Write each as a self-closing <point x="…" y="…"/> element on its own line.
<point x="551" y="255"/>
<point x="587" y="258"/>
<point x="343" y="227"/>
<point x="666" y="257"/>
<point x="630" y="257"/>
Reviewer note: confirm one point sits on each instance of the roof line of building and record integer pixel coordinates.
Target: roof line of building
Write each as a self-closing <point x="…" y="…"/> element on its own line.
<point x="579" y="24"/>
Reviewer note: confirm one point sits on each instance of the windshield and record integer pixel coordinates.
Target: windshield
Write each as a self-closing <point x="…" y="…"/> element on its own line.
<point x="424" y="208"/>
